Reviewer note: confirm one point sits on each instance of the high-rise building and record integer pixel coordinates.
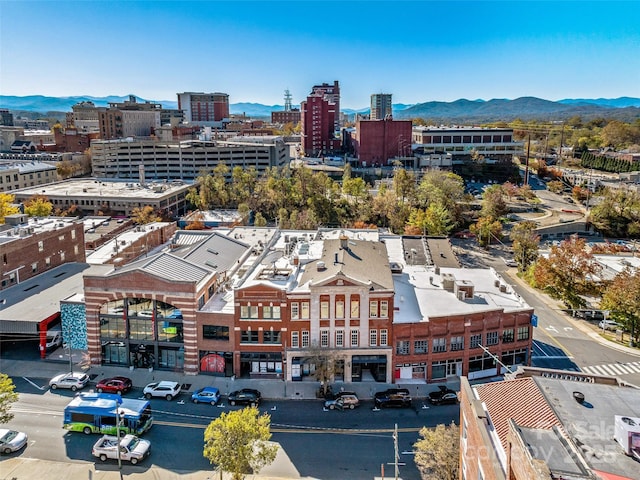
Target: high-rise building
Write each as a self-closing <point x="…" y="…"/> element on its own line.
<point x="330" y="93"/>
<point x="380" y="106"/>
<point x="318" y="126"/>
<point x="204" y="108"/>
<point x="6" y="117"/>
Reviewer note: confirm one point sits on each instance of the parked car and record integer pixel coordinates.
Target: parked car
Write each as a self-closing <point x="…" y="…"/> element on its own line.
<point x="246" y="396"/>
<point x="11" y="440"/>
<point x="394" y="397"/>
<point x="117" y="385"/>
<point x="342" y="401"/>
<point x="206" y="395"/>
<point x="609" y="325"/>
<point x="73" y="380"/>
<point x="132" y="448"/>
<point x="164" y="389"/>
<point x="443" y="396"/>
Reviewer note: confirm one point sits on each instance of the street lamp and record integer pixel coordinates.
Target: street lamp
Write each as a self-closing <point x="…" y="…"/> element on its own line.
<point x="119" y="418"/>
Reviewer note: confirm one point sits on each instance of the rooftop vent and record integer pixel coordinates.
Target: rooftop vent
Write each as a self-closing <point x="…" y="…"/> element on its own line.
<point x="320" y="266"/>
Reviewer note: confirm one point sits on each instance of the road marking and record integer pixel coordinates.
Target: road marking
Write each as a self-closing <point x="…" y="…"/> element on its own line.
<point x="551" y="357"/>
<point x="613" y="369"/>
<point x="551" y="328"/>
<point x="568" y="329"/>
<point x="37" y="386"/>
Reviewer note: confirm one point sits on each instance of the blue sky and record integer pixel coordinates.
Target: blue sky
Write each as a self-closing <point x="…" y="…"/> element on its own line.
<point x="418" y="51"/>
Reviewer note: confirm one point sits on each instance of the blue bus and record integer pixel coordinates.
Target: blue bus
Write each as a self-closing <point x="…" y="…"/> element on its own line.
<point x="98" y="413"/>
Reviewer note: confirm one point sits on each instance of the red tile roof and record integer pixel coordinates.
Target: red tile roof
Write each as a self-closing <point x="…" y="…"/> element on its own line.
<point x="520" y="400"/>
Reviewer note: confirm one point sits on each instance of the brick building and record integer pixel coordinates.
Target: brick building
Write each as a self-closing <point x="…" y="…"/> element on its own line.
<point x="29" y="247"/>
<point x="544" y="424"/>
<point x="318" y="117"/>
<point x="204" y="108"/>
<point x="378" y="141"/>
<point x="286" y="116"/>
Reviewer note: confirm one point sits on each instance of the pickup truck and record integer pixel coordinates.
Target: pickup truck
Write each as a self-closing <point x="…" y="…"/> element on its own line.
<point x="132" y="448"/>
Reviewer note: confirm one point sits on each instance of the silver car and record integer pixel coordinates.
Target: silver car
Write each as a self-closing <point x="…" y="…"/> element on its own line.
<point x="11" y="440"/>
<point x="73" y="380"/>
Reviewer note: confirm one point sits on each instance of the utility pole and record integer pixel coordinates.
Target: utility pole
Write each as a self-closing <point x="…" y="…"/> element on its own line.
<point x="495" y="357"/>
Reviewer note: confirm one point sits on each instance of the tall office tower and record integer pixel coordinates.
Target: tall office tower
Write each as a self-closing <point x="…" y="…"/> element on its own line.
<point x="381" y="106"/>
<point x="203" y="108"/>
<point x="330" y="93"/>
<point x="318" y="115"/>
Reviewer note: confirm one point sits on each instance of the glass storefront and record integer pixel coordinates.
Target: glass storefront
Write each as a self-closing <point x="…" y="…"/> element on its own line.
<point x="142" y="333"/>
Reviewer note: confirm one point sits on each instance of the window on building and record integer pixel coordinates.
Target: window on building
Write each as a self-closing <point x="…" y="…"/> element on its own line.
<point x="61" y="238"/>
<point x="523" y="333"/>
<point x="421" y="346"/>
<point x="373" y="337"/>
<point x="41" y="246"/>
<point x="47" y="261"/>
<point x="354" y="337"/>
<point x="271" y="336"/>
<point x="355" y="308"/>
<point x="266" y="311"/>
<point x="384" y="337"/>
<point x="324" y="338"/>
<point x="249" y="336"/>
<point x="339" y="338"/>
<point x="481" y="362"/>
<point x="324" y="309"/>
<point x="305" y="339"/>
<point x="373" y="309"/>
<point x="384" y="309"/>
<point x="295" y="340"/>
<point x="248" y="311"/>
<point x="475" y="341"/>
<point x="76" y="250"/>
<point x="439" y="345"/>
<point x="402" y="347"/>
<point x="457" y="343"/>
<point x="215" y="332"/>
<point x="492" y="338"/>
<point x="340" y="309"/>
<point x="438" y="369"/>
<point x="62" y="256"/>
<point x="34" y="267"/>
<point x="295" y="311"/>
<point x="507" y="335"/>
<point x="304" y="313"/>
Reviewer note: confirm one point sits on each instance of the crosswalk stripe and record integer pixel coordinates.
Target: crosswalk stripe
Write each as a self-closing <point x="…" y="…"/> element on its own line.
<point x="625" y="368"/>
<point x="619" y="369"/>
<point x="607" y="369"/>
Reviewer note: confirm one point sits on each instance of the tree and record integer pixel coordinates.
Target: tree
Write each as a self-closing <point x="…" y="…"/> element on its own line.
<point x="555" y="186"/>
<point x="525" y="244"/>
<point x="144" y="215"/>
<point x="622" y="299"/>
<point x="493" y="204"/>
<point x="7" y="397"/>
<point x="324" y="365"/>
<point x="38" y="206"/>
<point x="6" y="206"/>
<point x="568" y="273"/>
<point x="438" y="452"/>
<point x="485" y="229"/>
<point x="238" y="442"/>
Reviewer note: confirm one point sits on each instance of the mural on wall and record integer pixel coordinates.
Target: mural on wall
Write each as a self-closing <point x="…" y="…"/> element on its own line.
<point x="74" y="325"/>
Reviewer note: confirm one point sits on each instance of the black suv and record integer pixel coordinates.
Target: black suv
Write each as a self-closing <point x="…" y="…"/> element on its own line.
<point x="246" y="396"/>
<point x="394" y="397"/>
<point x="443" y="395"/>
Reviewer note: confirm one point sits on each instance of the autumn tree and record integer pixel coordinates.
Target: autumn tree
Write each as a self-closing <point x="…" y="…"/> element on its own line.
<point x="555" y="186"/>
<point x="618" y="213"/>
<point x="7" y="206"/>
<point x="38" y="206"/>
<point x="622" y="298"/>
<point x="324" y="365"/>
<point x="144" y="215"/>
<point x="438" y="452"/>
<point x="238" y="442"/>
<point x="7" y="397"/>
<point x="493" y="204"/>
<point x="568" y="273"/>
<point x="486" y="229"/>
<point x="525" y="244"/>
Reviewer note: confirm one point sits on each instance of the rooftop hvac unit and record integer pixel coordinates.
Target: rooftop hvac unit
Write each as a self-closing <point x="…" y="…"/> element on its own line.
<point x="627" y="434"/>
<point x="462" y="295"/>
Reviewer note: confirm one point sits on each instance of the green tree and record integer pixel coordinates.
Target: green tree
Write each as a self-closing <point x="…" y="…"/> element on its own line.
<point x="259" y="220"/>
<point x="493" y="204"/>
<point x="438" y="452"/>
<point x="435" y="220"/>
<point x="7" y="206"/>
<point x="568" y="272"/>
<point x="525" y="244"/>
<point x="618" y="213"/>
<point x="238" y="442"/>
<point x="7" y="397"/>
<point x="622" y="298"/>
<point x="38" y="206"/>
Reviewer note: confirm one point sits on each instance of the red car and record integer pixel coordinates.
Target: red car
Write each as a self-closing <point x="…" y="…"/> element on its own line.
<point x="117" y="385"/>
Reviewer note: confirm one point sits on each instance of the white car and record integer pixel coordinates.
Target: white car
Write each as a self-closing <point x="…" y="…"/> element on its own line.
<point x="11" y="440"/>
<point x="73" y="380"/>
<point x="132" y="448"/>
<point x="164" y="389"/>
<point x="609" y="325"/>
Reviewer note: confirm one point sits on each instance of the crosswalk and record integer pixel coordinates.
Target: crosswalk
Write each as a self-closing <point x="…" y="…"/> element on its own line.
<point x="614" y="369"/>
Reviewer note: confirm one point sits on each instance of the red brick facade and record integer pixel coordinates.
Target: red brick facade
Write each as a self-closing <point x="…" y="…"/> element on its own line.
<point x="377" y="141"/>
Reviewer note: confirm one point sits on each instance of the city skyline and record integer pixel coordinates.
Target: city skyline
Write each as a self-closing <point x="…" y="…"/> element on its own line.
<point x="418" y="51"/>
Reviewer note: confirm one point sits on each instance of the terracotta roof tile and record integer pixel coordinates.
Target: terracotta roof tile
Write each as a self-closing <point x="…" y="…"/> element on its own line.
<point x="520" y="400"/>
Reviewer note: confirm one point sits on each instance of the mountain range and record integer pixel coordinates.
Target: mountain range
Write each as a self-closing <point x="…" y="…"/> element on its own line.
<point x="459" y="111"/>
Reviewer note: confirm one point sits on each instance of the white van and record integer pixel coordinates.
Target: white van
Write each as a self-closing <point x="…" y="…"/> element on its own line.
<point x="54" y="339"/>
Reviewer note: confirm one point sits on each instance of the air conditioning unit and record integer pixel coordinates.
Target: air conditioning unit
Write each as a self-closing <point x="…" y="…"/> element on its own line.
<point x="627" y="434"/>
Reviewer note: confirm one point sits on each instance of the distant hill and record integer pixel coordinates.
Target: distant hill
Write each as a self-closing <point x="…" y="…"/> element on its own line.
<point x="459" y="111"/>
